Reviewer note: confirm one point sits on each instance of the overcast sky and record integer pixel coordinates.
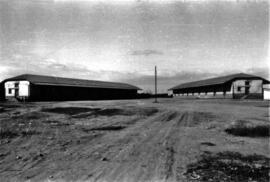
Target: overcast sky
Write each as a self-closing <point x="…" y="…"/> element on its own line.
<point x="124" y="40"/>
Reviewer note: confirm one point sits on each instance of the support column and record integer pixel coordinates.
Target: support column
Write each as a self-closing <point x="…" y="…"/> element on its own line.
<point x="262" y="91"/>
<point x="155" y="84"/>
<point x="233" y="90"/>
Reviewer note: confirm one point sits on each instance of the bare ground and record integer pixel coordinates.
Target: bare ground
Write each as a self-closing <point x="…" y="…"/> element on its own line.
<point x="137" y="140"/>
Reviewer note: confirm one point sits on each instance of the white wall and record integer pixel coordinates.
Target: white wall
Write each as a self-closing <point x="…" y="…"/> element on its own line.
<point x="23" y="88"/>
<point x="255" y="86"/>
<point x="9" y="85"/>
<point x="266" y="95"/>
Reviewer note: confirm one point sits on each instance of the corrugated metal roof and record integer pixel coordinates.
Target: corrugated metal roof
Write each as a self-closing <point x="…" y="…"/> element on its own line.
<point x="217" y="81"/>
<point x="60" y="81"/>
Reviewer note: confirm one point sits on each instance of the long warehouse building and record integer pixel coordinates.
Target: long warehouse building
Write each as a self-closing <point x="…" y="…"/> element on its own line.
<point x="48" y="88"/>
<point x="237" y="86"/>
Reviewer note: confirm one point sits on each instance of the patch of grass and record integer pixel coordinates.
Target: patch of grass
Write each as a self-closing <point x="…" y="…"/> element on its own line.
<point x="109" y="112"/>
<point x="88" y="138"/>
<point x="33" y="116"/>
<point x="243" y="128"/>
<point x="2" y="109"/>
<point x="200" y="117"/>
<point x="149" y="111"/>
<point x="192" y="119"/>
<point x="27" y="133"/>
<point x="108" y="128"/>
<point x="208" y="144"/>
<point x="7" y="133"/>
<point x="264" y="105"/>
<point x="256" y="131"/>
<point x="103" y="112"/>
<point x="118" y="111"/>
<point x="29" y="116"/>
<point x="229" y="166"/>
<point x="168" y="116"/>
<point x="126" y="112"/>
<point x="2" y="155"/>
<point x="69" y="110"/>
<point x="172" y="116"/>
<point x="55" y="123"/>
<point x="9" y="106"/>
<point x="83" y="112"/>
<point x="12" y="133"/>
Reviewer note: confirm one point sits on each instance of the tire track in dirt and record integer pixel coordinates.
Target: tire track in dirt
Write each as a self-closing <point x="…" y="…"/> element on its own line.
<point x="152" y="155"/>
<point x="137" y="135"/>
<point x="155" y="147"/>
<point x="93" y="152"/>
<point x="189" y="130"/>
<point x="147" y="158"/>
<point x="147" y="148"/>
<point x="86" y="151"/>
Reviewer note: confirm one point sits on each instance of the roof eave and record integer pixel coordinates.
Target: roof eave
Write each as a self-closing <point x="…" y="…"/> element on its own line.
<point x="83" y="86"/>
<point x="231" y="80"/>
<point x="175" y="88"/>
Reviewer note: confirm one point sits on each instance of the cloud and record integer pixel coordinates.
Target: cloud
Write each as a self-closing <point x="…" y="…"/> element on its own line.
<point x="166" y="81"/>
<point x="146" y="82"/>
<point x="53" y="67"/>
<point x="263" y="72"/>
<point x="44" y="67"/>
<point x="146" y="52"/>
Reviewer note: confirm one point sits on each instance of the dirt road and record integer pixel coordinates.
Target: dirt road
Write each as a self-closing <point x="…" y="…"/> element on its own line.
<point x="133" y="140"/>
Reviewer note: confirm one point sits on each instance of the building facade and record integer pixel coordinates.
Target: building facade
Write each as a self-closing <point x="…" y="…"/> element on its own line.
<point x="46" y="88"/>
<point x="236" y="86"/>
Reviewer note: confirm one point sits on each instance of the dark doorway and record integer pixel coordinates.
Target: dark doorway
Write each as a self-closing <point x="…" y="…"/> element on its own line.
<point x="247" y="86"/>
<point x="16" y="92"/>
<point x="16" y="89"/>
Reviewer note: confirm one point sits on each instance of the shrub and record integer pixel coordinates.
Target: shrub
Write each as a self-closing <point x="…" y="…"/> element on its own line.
<point x="246" y="129"/>
<point x="229" y="166"/>
<point x="7" y="133"/>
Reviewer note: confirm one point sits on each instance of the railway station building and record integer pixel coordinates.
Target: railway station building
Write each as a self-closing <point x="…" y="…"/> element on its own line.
<point x="236" y="86"/>
<point x="49" y="88"/>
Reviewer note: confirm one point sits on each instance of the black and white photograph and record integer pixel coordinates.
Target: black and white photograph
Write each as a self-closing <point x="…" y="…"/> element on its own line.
<point x="134" y="91"/>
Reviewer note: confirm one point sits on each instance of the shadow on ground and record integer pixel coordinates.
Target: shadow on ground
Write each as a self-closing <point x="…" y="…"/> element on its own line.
<point x="229" y="166"/>
<point x="247" y="129"/>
